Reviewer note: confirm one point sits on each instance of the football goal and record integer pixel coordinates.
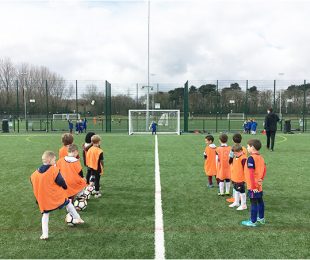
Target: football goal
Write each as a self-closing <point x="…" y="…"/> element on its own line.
<point x="235" y="116"/>
<point x="140" y="121"/>
<point x="66" y="116"/>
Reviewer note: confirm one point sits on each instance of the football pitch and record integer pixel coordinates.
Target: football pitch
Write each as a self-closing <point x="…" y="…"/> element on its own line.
<point x="121" y="224"/>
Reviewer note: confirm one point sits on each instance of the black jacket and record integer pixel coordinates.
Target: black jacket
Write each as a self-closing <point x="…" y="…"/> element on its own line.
<point x="271" y="121"/>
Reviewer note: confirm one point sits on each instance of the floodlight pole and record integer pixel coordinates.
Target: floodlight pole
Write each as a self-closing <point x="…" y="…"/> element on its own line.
<point x="24" y="93"/>
<point x="147" y="106"/>
<point x="148" y="68"/>
<point x="281" y="74"/>
<point x="25" y="101"/>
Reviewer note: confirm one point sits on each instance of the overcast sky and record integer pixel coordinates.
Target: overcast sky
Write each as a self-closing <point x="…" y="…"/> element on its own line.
<point x="195" y="40"/>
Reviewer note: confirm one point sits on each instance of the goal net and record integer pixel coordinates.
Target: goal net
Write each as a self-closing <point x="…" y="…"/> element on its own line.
<point x="167" y="121"/>
<point x="235" y="116"/>
<point x="66" y="116"/>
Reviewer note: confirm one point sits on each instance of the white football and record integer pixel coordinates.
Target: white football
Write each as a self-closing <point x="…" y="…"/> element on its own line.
<point x="90" y="188"/>
<point x="87" y="194"/>
<point x="69" y="220"/>
<point x="93" y="102"/>
<point x="80" y="204"/>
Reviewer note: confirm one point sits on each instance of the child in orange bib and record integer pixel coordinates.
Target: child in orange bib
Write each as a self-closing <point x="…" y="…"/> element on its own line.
<point x="86" y="147"/>
<point x="255" y="171"/>
<point x="49" y="190"/>
<point x="237" y="138"/>
<point x="237" y="177"/>
<point x="71" y="169"/>
<point x="210" y="159"/>
<point x="66" y="139"/>
<point x="223" y="166"/>
<point x="94" y="160"/>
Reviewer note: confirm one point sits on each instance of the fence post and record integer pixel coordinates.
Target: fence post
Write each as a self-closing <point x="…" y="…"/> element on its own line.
<point x="137" y="98"/>
<point x="246" y="100"/>
<point x="274" y="95"/>
<point x="217" y="103"/>
<point x="185" y="103"/>
<point x="17" y="106"/>
<point x="46" y="92"/>
<point x="108" y="106"/>
<point x="304" y="108"/>
<point x="203" y="125"/>
<point x="76" y="101"/>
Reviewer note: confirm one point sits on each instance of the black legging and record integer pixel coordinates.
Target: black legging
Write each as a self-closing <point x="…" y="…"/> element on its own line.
<point x="88" y="174"/>
<point x="97" y="179"/>
<point x="270" y="135"/>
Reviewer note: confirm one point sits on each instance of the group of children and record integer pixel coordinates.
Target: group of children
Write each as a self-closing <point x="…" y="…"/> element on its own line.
<point x="250" y="126"/>
<point x="80" y="126"/>
<point x="231" y="165"/>
<point x="56" y="184"/>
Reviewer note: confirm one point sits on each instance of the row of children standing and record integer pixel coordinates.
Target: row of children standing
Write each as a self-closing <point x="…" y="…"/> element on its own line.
<point x="231" y="165"/>
<point x="250" y="127"/>
<point x="55" y="185"/>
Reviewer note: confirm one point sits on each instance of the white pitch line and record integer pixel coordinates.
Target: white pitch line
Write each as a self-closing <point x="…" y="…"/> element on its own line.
<point x="159" y="222"/>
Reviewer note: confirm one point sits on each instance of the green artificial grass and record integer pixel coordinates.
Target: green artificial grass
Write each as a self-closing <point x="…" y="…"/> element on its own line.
<point x="197" y="223"/>
<point x="118" y="225"/>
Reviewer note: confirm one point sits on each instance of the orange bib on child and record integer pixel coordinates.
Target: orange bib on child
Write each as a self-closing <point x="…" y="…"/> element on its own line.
<point x="48" y="194"/>
<point x="70" y="167"/>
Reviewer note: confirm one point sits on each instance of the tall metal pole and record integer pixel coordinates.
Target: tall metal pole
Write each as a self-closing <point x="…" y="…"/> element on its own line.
<point x="46" y="92"/>
<point x="304" y="108"/>
<point x="246" y="99"/>
<point x="24" y="93"/>
<point x="148" y="68"/>
<point x="274" y="94"/>
<point x="76" y="100"/>
<point x="17" y="106"/>
<point x="25" y="102"/>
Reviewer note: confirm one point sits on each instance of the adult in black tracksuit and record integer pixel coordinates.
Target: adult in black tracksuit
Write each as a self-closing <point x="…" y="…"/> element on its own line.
<point x="271" y="121"/>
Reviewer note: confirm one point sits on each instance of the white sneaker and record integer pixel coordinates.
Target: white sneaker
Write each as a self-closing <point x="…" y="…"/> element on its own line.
<point x="242" y="207"/>
<point x="234" y="205"/>
<point x="78" y="221"/>
<point x="43" y="237"/>
<point x="98" y="195"/>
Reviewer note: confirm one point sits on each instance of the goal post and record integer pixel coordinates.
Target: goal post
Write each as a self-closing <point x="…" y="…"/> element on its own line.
<point x="66" y="117"/>
<point x="168" y="121"/>
<point x="235" y="116"/>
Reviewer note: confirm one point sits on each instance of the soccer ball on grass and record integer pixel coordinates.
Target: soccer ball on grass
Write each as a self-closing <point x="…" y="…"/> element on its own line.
<point x="69" y="220"/>
<point x="80" y="204"/>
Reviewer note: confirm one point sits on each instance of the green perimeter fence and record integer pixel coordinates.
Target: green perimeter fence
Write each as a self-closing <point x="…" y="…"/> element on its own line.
<point x="31" y="105"/>
<point x="120" y="125"/>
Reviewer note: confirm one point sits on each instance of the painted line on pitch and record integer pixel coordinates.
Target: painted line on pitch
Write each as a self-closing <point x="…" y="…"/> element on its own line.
<point x="159" y="221"/>
<point x="282" y="141"/>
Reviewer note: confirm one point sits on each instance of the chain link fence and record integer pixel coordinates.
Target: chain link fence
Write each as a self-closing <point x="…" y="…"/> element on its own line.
<point x="205" y="105"/>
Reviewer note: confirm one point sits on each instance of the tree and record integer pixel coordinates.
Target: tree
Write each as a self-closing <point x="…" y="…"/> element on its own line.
<point x="192" y="90"/>
<point x="207" y="89"/>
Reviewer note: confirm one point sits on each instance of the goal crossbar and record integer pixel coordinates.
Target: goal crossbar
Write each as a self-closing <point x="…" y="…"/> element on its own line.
<point x="167" y="121"/>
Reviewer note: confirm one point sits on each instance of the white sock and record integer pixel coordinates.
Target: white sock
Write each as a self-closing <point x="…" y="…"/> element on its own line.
<point x="227" y="184"/>
<point x="234" y="191"/>
<point x="71" y="209"/>
<point x="221" y="186"/>
<point x="45" y="218"/>
<point x="243" y="199"/>
<point x="237" y="197"/>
